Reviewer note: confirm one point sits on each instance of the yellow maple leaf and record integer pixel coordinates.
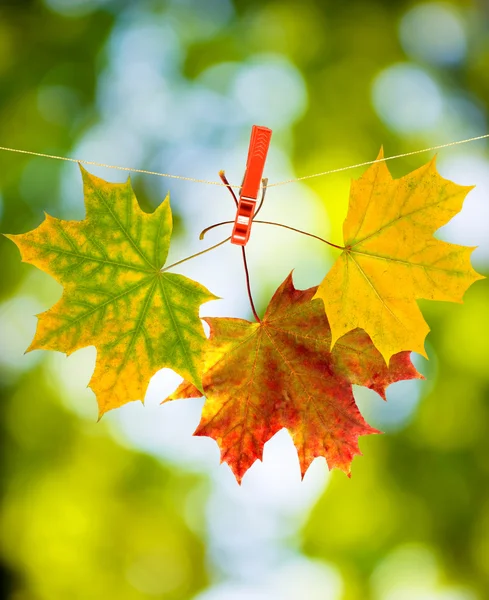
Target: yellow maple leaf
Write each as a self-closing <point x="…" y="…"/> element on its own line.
<point x="116" y="296"/>
<point x="390" y="257"/>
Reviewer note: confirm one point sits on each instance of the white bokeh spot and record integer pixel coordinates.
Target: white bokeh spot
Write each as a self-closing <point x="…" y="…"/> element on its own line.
<point x="407" y="99"/>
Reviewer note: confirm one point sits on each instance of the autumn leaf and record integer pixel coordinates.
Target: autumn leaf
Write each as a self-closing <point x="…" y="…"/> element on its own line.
<point x="261" y="377"/>
<point x="115" y="295"/>
<point x="391" y="258"/>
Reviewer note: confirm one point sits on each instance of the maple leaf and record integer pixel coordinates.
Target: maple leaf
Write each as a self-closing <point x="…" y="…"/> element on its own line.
<point x="261" y="377"/>
<point x="115" y="295"/>
<point x="391" y="258"/>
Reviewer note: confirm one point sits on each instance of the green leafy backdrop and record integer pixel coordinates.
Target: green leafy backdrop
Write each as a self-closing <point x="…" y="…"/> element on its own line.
<point x="132" y="507"/>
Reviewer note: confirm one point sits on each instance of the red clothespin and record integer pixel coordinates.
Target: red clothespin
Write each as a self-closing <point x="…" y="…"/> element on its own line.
<point x="257" y="155"/>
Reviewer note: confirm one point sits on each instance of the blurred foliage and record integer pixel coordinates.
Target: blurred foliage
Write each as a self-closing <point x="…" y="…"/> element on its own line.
<point x="82" y="516"/>
<point x="45" y="55"/>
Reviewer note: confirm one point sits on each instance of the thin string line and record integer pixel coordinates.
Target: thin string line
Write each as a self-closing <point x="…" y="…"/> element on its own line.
<point x="97" y="164"/>
<point x="372" y="162"/>
<point x="221" y="184"/>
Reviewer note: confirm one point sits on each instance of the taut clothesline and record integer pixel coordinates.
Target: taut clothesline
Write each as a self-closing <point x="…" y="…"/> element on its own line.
<point x="220" y="183"/>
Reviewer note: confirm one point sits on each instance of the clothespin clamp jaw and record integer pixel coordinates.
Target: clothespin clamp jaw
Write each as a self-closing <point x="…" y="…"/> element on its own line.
<point x="257" y="155"/>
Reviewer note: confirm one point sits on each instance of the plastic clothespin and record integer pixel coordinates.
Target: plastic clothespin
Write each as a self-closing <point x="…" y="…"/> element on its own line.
<point x="257" y="155"/>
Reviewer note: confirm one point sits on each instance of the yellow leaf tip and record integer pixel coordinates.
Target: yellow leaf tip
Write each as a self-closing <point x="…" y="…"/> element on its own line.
<point x="33" y="346"/>
<point x="423" y="353"/>
<point x="101" y="411"/>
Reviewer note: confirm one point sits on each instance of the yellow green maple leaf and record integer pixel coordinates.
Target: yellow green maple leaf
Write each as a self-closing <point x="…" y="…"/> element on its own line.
<point x="116" y="296"/>
<point x="390" y="257"/>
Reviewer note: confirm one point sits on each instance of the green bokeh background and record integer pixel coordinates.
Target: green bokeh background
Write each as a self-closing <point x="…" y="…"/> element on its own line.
<point x="86" y="513"/>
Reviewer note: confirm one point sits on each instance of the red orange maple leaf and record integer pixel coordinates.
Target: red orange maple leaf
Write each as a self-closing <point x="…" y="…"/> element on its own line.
<point x="261" y="377"/>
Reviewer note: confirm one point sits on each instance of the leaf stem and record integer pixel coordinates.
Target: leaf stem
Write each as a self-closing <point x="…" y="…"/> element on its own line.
<point x="245" y="263"/>
<point x="248" y="285"/>
<point x="195" y="255"/>
<point x="316" y="237"/>
<point x="224" y="179"/>
<point x="204" y="231"/>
